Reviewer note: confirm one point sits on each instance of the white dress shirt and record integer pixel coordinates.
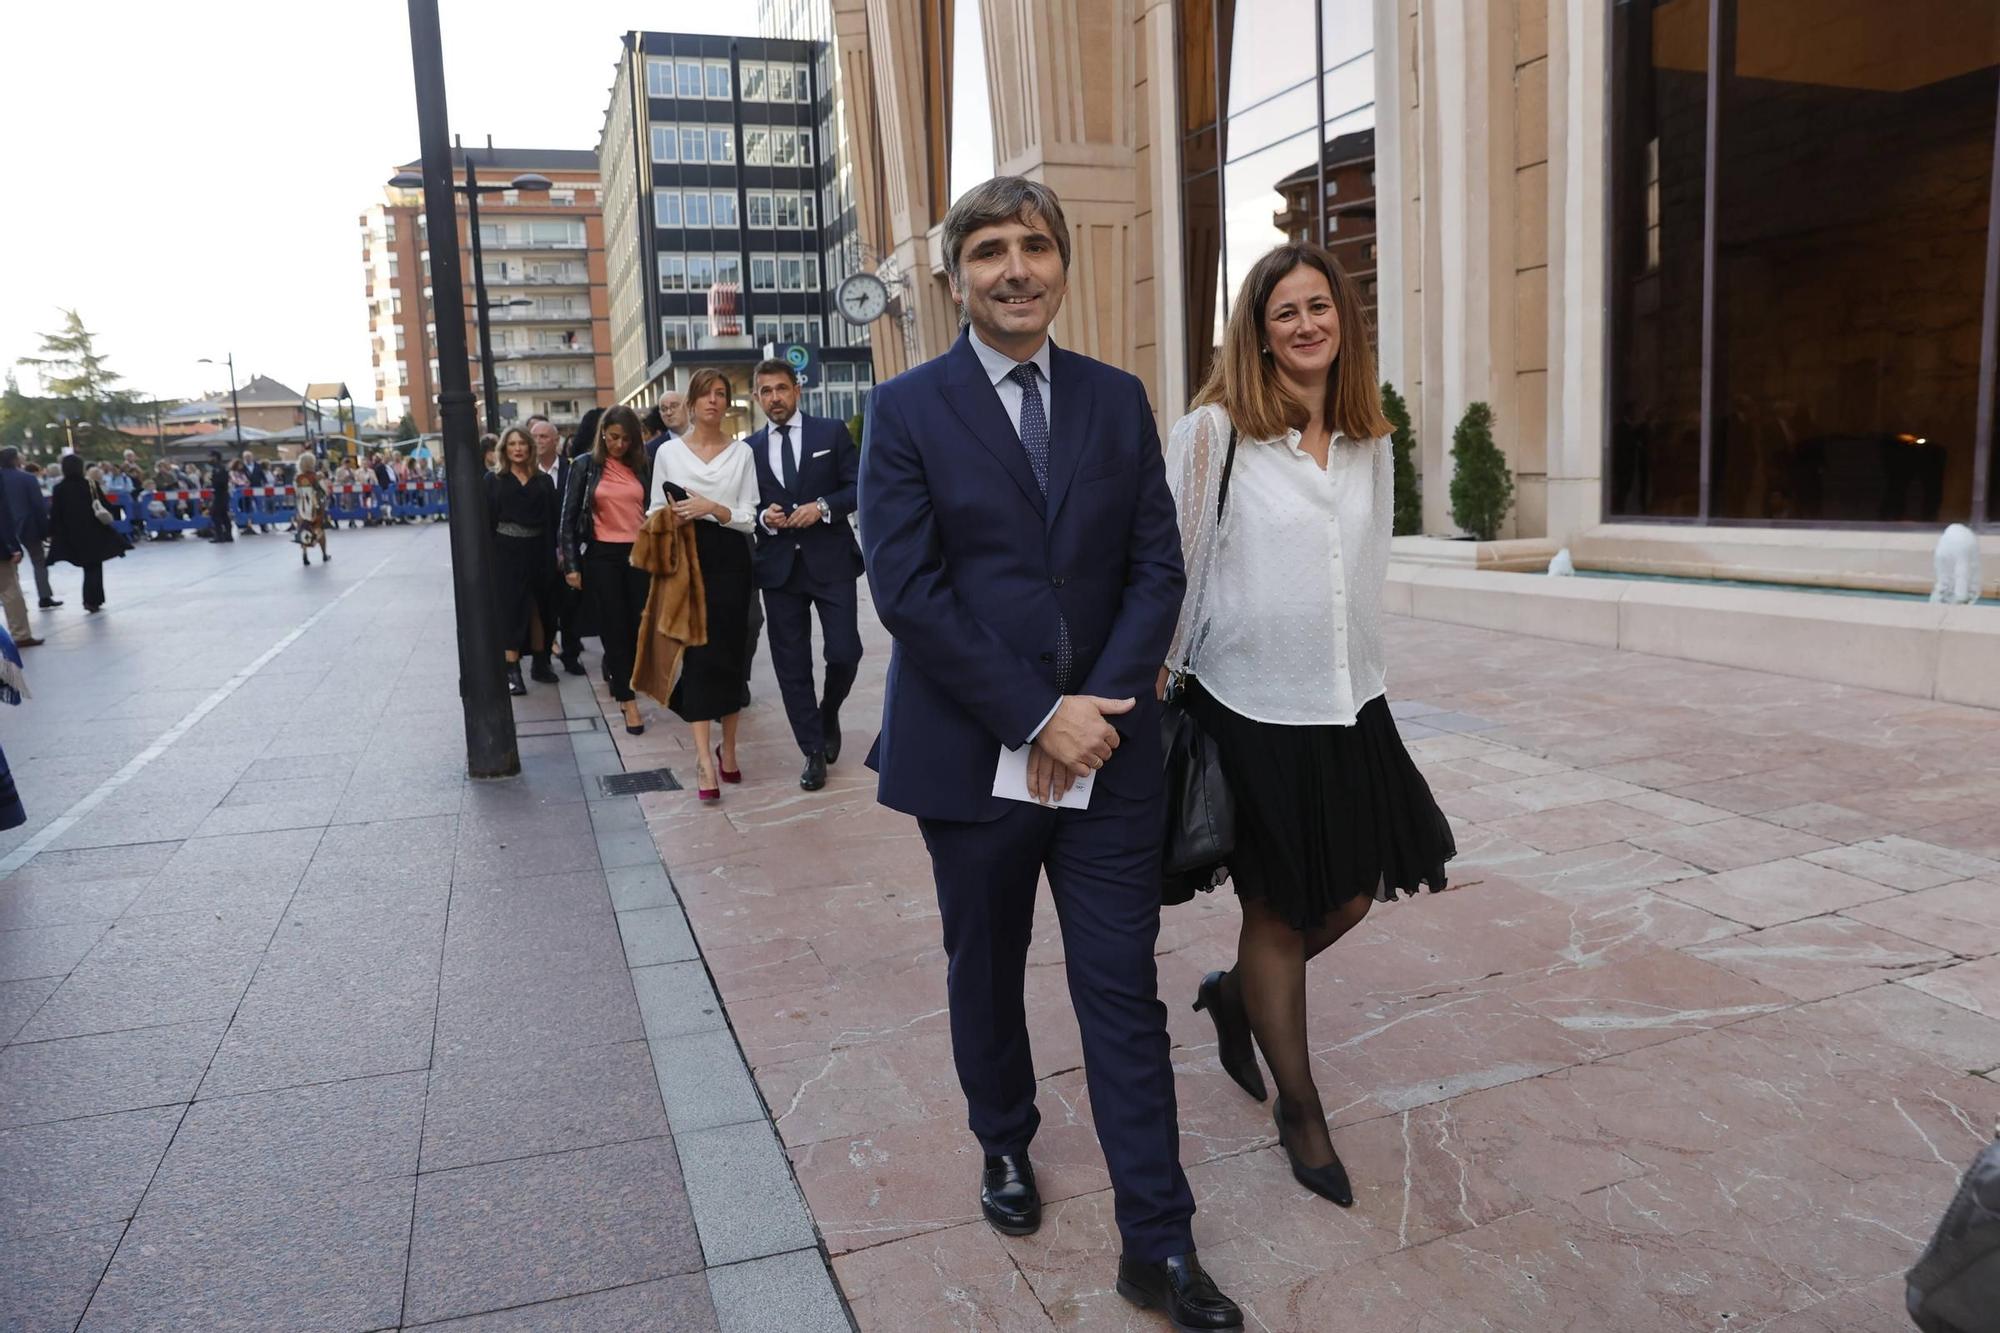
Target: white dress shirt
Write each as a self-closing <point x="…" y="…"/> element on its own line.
<point x="774" y="455"/>
<point x="1283" y="616"/>
<point x="729" y="479"/>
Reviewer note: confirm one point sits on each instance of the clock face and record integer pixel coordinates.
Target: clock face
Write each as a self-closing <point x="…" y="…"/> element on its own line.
<point x="863" y="299"/>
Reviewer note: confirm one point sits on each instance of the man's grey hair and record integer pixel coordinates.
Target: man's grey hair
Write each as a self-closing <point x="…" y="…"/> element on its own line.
<point x="1002" y="199"/>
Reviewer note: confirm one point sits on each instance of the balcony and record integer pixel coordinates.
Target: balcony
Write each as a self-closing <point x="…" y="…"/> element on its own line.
<point x="576" y="353"/>
<point x="506" y="315"/>
<point x="487" y="246"/>
<point x="580" y="278"/>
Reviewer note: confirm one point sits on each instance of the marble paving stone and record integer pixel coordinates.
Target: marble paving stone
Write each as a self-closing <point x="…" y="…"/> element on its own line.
<point x="265" y="1146"/>
<point x="1955" y="1038"/>
<point x="1775" y="892"/>
<point x="1974" y="986"/>
<point x="1729" y="844"/>
<point x="784" y="1293"/>
<point x="704" y="1082"/>
<point x="509" y="1233"/>
<point x="46" y="1281"/>
<point x="1822" y="956"/>
<point x="977" y="1288"/>
<point x="79" y="1173"/>
<point x="1567" y="828"/>
<point x="1675" y="809"/>
<point x="488" y="1110"/>
<point x="1954" y="861"/>
<point x="1961" y="918"/>
<point x="235" y="1267"/>
<point x="1908" y="876"/>
<point x="96" y="1075"/>
<point x="677" y="1303"/>
<point x="1834" y="822"/>
<point x="739" y="1186"/>
<point x="1651" y="997"/>
<point x="1614" y="866"/>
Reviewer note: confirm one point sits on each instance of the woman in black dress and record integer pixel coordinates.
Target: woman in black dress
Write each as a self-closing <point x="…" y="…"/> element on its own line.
<point x="522" y="505"/>
<point x="77" y="535"/>
<point x="711" y="480"/>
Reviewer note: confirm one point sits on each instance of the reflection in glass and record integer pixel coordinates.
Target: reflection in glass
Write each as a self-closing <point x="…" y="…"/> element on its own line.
<point x="1853" y="182"/>
<point x="1659" y="101"/>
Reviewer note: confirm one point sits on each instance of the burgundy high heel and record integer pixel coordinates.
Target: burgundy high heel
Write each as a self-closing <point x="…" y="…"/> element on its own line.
<point x="706" y="795"/>
<point x="729" y="775"/>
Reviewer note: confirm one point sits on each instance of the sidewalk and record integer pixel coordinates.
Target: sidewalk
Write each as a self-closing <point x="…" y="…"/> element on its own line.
<point x="303" y="1030"/>
<point x="1701" y="1039"/>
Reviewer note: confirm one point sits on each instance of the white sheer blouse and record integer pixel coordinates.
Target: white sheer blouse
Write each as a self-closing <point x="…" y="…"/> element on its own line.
<point x="730" y="478"/>
<point x="1283" y="616"/>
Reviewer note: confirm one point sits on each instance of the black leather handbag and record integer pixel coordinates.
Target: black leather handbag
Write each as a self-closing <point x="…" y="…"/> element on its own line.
<point x="1201" y="812"/>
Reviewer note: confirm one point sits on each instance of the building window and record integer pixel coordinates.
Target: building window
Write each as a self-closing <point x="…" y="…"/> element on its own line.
<point x="802" y="82"/>
<point x="700" y="272"/>
<point x="694" y="209"/>
<point x="721" y="144"/>
<point x="718" y="80"/>
<point x="729" y="269"/>
<point x="690" y="78"/>
<point x="757" y="208"/>
<point x="805" y="148"/>
<point x="666" y="208"/>
<point x="764" y="329"/>
<point x="694" y="144"/>
<point x="763" y="273"/>
<point x="673" y="273"/>
<point x="753" y="83"/>
<point x="784" y="148"/>
<point x="806" y="210"/>
<point x="674" y="335"/>
<point x="786" y="203"/>
<point x="812" y="273"/>
<point x="756" y="147"/>
<point x="723" y="209"/>
<point x="791" y="273"/>
<point x="666" y="142"/>
<point x="659" y="78"/>
<point x="781" y="83"/>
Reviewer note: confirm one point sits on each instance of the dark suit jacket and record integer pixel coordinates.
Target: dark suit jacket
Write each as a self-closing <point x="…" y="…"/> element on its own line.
<point x="969" y="565"/>
<point x="25" y="508"/>
<point x="828" y="466"/>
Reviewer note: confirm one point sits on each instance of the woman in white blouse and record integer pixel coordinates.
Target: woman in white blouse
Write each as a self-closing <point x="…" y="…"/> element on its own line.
<point x="1280" y="647"/>
<point x="711" y="479"/>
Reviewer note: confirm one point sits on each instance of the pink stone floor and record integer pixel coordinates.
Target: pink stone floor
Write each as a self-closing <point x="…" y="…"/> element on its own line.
<point x="1700" y="1040"/>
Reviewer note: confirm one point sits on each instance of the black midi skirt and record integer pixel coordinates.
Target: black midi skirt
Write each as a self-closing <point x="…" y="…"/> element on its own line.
<point x="1324" y="813"/>
<point x="711" y="683"/>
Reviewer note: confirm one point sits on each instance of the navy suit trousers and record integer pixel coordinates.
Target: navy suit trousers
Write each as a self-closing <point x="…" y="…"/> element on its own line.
<point x="1103" y="866"/>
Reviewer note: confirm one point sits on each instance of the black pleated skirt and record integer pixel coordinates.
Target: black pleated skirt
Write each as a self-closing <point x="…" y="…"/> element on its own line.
<point x="1325" y="814"/>
<point x="712" y="676"/>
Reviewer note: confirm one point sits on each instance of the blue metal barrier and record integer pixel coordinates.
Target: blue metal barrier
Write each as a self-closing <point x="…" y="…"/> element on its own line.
<point x="173" y="511"/>
<point x="264" y="506"/>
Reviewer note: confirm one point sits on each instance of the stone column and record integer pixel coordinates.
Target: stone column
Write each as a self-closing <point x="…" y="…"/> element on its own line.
<point x="1159" y="325"/>
<point x="1060" y="77"/>
<point x="1577" y="260"/>
<point x="896" y="41"/>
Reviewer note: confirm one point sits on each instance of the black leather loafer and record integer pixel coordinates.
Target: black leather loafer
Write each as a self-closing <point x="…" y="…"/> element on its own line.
<point x="1179" y="1288"/>
<point x="814" y="775"/>
<point x="829" y="730"/>
<point x="1007" y="1194"/>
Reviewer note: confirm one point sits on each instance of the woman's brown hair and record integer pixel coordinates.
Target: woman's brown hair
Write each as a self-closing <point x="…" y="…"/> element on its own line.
<point x="1244" y="381"/>
<point x="506" y="464"/>
<point x="705" y="379"/>
<point x="626" y="420"/>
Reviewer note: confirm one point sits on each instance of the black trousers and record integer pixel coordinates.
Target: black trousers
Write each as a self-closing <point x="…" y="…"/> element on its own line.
<point x="788" y="612"/>
<point x="1103" y="865"/>
<point x="617" y="594"/>
<point x="93" y="583"/>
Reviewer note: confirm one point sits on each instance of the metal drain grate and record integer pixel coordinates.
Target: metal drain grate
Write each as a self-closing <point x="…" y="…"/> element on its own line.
<point x="631" y="784"/>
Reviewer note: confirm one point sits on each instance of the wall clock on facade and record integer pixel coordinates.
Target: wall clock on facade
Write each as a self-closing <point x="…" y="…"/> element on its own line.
<point x="862" y="299"/>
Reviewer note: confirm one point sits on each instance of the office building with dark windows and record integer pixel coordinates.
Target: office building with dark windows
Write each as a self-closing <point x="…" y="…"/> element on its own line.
<point x="725" y="234"/>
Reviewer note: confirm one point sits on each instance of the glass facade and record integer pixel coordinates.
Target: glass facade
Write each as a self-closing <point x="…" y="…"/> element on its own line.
<point x="1277" y="143"/>
<point x="1801" y="261"/>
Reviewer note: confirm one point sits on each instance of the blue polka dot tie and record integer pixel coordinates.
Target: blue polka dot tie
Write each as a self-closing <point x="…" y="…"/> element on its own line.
<point x="1035" y="440"/>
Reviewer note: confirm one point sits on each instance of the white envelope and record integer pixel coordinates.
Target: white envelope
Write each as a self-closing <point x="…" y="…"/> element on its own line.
<point x="1010" y="780"/>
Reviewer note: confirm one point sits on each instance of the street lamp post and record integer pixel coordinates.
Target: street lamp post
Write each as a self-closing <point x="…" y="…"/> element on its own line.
<point x="491" y="750"/>
<point x="472" y="189"/>
<point x="235" y="408"/>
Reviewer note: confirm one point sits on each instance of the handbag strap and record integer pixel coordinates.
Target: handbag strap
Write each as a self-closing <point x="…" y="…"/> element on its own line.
<point x="1228" y="465"/>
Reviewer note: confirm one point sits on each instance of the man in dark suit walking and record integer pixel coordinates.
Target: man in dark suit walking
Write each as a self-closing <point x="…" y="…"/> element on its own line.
<point x="807" y="560"/>
<point x="554" y="462"/>
<point x="1022" y="549"/>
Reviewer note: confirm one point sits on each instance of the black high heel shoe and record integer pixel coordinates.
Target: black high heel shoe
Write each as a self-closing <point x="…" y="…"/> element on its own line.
<point x="1232" y="1036"/>
<point x="1329" y="1182"/>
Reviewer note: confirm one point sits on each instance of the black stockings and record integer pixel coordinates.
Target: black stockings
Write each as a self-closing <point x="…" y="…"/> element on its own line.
<point x="1269" y="981"/>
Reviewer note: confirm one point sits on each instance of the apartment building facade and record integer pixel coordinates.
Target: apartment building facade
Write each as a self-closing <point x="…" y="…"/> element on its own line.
<point x="725" y="231"/>
<point x="542" y="255"/>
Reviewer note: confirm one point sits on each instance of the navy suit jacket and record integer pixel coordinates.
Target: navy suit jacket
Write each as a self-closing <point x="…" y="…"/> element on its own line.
<point x="828" y="466"/>
<point x="24" y="510"/>
<point x="970" y="564"/>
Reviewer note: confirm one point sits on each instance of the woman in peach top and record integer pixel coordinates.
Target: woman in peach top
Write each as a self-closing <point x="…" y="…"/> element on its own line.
<point x="603" y="509"/>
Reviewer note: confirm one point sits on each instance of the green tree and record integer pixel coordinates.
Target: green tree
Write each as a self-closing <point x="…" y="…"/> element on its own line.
<point x="1402" y="445"/>
<point x="79" y="376"/>
<point x="1482" y="487"/>
<point x="406" y="429"/>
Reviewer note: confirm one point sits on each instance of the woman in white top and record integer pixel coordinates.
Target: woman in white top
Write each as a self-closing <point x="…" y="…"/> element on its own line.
<point x="711" y="479"/>
<point x="1280" y="643"/>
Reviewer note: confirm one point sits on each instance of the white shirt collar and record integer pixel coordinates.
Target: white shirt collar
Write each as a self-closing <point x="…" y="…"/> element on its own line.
<point x="998" y="365"/>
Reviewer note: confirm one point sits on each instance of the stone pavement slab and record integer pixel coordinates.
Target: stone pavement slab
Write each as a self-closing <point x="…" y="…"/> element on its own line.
<point x="1698" y="1040"/>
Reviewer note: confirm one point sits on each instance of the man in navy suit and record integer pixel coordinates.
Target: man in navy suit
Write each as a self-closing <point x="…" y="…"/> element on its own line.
<point x="1022" y="550"/>
<point x="807" y="560"/>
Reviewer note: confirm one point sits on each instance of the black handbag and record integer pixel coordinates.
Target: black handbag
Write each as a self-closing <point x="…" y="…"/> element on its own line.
<point x="1201" y="812"/>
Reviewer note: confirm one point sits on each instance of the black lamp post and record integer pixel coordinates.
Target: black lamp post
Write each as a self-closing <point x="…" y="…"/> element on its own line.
<point x="491" y="750"/>
<point x="472" y="189"/>
<point x="235" y="410"/>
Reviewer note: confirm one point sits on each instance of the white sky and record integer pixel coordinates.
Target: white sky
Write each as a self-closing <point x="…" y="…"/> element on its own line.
<point x="188" y="175"/>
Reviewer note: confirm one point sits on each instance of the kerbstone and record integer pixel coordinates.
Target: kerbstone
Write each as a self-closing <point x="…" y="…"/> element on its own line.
<point x="676" y="999"/>
<point x="784" y="1293"/>
<point x="704" y="1082"/>
<point x="740" y="1187"/>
